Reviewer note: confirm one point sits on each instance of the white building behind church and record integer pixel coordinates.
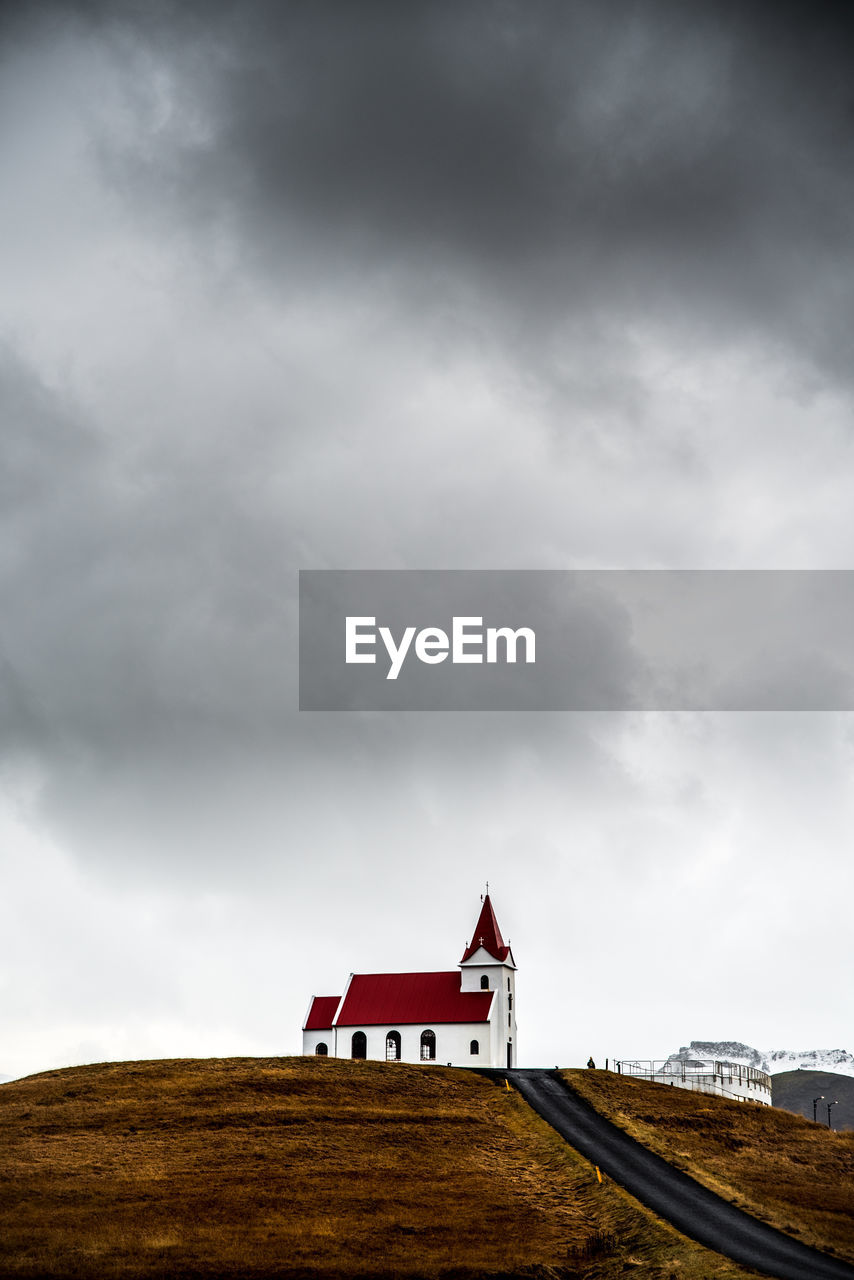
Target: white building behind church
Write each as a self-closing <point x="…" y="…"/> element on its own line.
<point x="465" y="1017"/>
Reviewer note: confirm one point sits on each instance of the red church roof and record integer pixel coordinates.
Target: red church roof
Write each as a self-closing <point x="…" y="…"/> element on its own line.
<point x="487" y="935"/>
<point x="321" y="1013"/>
<point x="374" y="999"/>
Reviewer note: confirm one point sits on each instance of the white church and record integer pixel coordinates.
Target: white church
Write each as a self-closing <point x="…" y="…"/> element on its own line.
<point x="465" y="1018"/>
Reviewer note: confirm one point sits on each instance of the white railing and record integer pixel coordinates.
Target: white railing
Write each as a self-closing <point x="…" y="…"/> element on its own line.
<point x="729" y="1079"/>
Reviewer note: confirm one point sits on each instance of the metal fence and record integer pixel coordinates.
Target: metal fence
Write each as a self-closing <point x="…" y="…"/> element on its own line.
<point x="732" y="1079"/>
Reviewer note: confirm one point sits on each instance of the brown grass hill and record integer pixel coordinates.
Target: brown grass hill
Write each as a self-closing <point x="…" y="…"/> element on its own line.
<point x="298" y="1167"/>
<point x="795" y="1175"/>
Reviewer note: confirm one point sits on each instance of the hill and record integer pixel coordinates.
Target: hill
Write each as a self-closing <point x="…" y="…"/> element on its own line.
<point x="795" y="1091"/>
<point x="295" y="1167"/>
<point x="795" y="1175"/>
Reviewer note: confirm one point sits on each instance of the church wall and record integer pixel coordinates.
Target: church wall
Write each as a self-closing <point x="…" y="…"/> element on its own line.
<point x="311" y="1039"/>
<point x="453" y="1041"/>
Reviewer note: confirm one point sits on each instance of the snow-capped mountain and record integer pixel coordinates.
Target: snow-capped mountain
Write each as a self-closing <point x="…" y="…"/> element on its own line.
<point x="770" y="1060"/>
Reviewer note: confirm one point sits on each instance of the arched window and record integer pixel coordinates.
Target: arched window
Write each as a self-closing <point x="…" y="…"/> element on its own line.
<point x="474" y="1048"/>
<point x="392" y="1046"/>
<point x="359" y="1045"/>
<point x="321" y="1050"/>
<point x="428" y="1046"/>
<point x="484" y="982"/>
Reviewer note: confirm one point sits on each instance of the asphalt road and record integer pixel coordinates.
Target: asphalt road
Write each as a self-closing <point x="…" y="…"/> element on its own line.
<point x="694" y="1210"/>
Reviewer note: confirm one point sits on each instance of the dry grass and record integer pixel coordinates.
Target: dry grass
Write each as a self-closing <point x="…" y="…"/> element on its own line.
<point x="797" y="1175"/>
<point x="297" y="1167"/>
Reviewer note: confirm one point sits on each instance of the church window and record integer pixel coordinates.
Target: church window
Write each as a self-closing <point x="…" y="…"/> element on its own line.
<point x="474" y="1048"/>
<point x="428" y="1046"/>
<point x="359" y="1045"/>
<point x="392" y="1046"/>
<point x="509" y="1000"/>
<point x="321" y="1049"/>
<point x="484" y="982"/>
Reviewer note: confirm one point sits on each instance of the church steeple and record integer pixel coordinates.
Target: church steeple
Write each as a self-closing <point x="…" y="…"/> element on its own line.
<point x="487" y="935"/>
<point x="488" y="965"/>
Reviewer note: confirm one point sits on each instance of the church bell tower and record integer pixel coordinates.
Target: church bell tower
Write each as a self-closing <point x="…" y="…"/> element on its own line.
<point x="488" y="965"/>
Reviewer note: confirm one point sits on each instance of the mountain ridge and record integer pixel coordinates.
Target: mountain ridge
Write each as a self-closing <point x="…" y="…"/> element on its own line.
<point x="774" y="1061"/>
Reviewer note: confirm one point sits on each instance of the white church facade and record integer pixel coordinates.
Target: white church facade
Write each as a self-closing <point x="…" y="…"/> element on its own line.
<point x="464" y="1017"/>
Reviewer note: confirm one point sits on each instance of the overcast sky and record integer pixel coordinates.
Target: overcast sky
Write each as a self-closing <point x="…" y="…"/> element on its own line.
<point x="423" y="285"/>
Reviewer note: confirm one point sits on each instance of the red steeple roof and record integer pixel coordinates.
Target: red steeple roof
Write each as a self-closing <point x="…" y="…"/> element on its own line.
<point x="487" y="935"/>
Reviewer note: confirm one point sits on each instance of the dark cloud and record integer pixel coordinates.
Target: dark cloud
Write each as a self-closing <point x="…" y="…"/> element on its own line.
<point x="560" y="158"/>
<point x="395" y="160"/>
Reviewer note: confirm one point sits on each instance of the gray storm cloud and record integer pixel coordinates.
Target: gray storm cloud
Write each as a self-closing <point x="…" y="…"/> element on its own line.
<point x="559" y="158"/>
<point x="389" y="286"/>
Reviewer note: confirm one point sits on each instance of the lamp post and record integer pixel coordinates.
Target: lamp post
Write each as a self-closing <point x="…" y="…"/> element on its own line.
<point x="829" y="1105"/>
<point x="815" y="1103"/>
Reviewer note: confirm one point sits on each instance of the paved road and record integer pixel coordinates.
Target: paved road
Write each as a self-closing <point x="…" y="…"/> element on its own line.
<point x="671" y="1194"/>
